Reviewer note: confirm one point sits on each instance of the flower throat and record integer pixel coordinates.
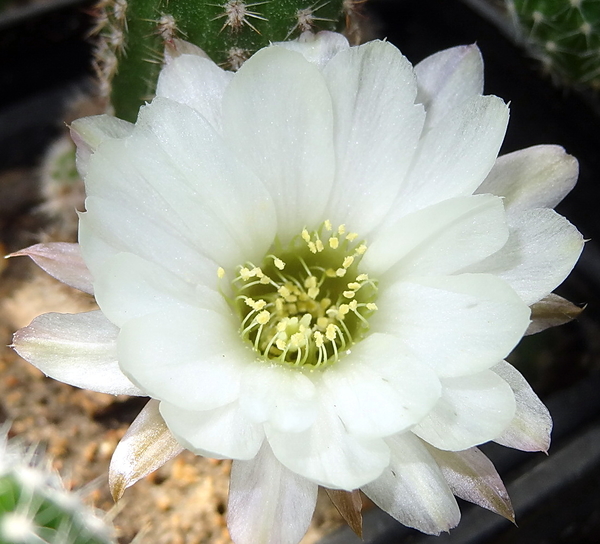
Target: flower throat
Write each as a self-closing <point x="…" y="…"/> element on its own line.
<point x="307" y="303"/>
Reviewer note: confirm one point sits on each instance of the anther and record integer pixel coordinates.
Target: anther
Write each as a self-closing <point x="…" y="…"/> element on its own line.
<point x="351" y="236"/>
<point x="334" y="242"/>
<point x="263" y="317"/>
<point x="220" y="272"/>
<point x="348" y="261"/>
<point x="279" y="263"/>
<point x="327" y="225"/>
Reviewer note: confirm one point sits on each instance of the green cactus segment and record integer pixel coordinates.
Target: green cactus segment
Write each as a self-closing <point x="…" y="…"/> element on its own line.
<point x="563" y="34"/>
<point x="133" y="34"/>
<point x="35" y="508"/>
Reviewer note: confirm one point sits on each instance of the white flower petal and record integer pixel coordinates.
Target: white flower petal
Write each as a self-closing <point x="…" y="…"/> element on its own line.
<point x="473" y="410"/>
<point x="412" y="488"/>
<point x="440" y="239"/>
<point x="78" y="349"/>
<point x="191" y="358"/>
<point x="268" y="504"/>
<point x="106" y="230"/>
<point x="277" y="115"/>
<point x="182" y="176"/>
<point x="455" y="324"/>
<point x="456" y="154"/>
<point x="196" y="82"/>
<point x="535" y="177"/>
<point x="531" y="427"/>
<point x="328" y="454"/>
<point x="542" y="249"/>
<point x="147" y="445"/>
<point x="222" y="433"/>
<point x="317" y="48"/>
<point x="447" y="78"/>
<point x="62" y="261"/>
<point x="377" y="129"/>
<point x="376" y="391"/>
<point x="89" y="132"/>
<point x="280" y="395"/>
<point x="129" y="286"/>
<point x="472" y="477"/>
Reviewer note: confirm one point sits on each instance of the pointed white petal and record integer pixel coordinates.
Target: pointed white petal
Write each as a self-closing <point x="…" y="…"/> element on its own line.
<point x="317" y="48"/>
<point x="472" y="477"/>
<point x="440" y="239"/>
<point x="473" y="410"/>
<point x="62" y="261"/>
<point x="78" y="349"/>
<point x="196" y="82"/>
<point x="377" y="392"/>
<point x="191" y="358"/>
<point x="412" y="488"/>
<point x="542" y="249"/>
<point x="268" y="504"/>
<point x="377" y="129"/>
<point x="147" y="445"/>
<point x="448" y="78"/>
<point x="280" y="395"/>
<point x="327" y="453"/>
<point x="129" y="286"/>
<point x="536" y="177"/>
<point x="277" y="116"/>
<point x="455" y="155"/>
<point x="455" y="324"/>
<point x="222" y="433"/>
<point x="89" y="132"/>
<point x="531" y="426"/>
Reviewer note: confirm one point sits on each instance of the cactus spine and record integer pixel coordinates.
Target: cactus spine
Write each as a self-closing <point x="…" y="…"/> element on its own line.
<point x="563" y="34"/>
<point x="133" y="34"/>
<point x="35" y="508"/>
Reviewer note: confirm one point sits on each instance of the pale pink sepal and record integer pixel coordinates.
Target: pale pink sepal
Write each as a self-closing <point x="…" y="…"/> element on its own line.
<point x="147" y="445"/>
<point x="551" y="311"/>
<point x="268" y="504"/>
<point x="472" y="477"/>
<point x="78" y="349"/>
<point x="62" y="261"/>
<point x="532" y="424"/>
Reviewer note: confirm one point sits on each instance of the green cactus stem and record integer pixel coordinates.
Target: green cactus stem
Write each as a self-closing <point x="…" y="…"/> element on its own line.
<point x="563" y="34"/>
<point x="35" y="508"/>
<point x="133" y="35"/>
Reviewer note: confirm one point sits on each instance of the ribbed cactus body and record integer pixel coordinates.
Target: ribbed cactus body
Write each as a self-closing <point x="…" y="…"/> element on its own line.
<point x="133" y="34"/>
<point x="563" y="34"/>
<point x="35" y="508"/>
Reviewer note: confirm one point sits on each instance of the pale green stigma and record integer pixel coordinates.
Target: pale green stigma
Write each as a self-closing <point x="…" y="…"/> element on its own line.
<point x="306" y="304"/>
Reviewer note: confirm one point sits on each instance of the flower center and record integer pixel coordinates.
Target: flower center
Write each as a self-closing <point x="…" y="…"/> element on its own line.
<point x="306" y="304"/>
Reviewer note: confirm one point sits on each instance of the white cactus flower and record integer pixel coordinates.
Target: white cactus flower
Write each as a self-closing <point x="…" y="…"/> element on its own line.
<point x="314" y="266"/>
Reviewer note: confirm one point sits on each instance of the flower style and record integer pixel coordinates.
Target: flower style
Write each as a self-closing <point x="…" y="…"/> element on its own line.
<point x="315" y="266"/>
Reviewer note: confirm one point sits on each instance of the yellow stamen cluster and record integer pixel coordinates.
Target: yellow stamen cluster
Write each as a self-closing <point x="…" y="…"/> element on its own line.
<point x="309" y="304"/>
